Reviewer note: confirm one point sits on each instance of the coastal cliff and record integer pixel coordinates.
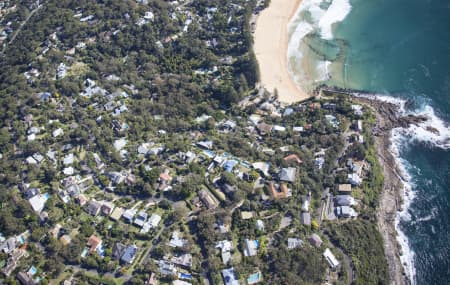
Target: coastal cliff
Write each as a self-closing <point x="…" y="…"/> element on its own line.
<point x="391" y="200"/>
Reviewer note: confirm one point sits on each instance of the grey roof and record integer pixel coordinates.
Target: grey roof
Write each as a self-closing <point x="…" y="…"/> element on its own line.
<point x="306" y="218"/>
<point x="118" y="250"/>
<point x="344" y="200"/>
<point x="229" y="276"/>
<point x="315" y="240"/>
<point x="93" y="208"/>
<point x="129" y="254"/>
<point x="288" y="174"/>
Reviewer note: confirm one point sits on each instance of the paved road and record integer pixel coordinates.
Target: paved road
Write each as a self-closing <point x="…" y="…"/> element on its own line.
<point x="21" y="26"/>
<point x="152" y="247"/>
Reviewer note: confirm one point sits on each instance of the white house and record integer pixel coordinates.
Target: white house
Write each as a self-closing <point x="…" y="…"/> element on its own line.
<point x="330" y="258"/>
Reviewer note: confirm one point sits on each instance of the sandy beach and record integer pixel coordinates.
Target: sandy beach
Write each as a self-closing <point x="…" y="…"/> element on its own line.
<point x="270" y="46"/>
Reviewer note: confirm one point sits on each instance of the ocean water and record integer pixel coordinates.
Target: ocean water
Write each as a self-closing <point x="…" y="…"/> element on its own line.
<point x="399" y="50"/>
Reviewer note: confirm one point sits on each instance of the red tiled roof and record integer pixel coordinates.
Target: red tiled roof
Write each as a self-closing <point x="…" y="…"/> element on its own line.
<point x="93" y="242"/>
<point x="292" y="157"/>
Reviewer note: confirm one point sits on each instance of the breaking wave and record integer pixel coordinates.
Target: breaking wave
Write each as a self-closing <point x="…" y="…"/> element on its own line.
<point x="338" y="10"/>
<point x="313" y="18"/>
<point x="433" y="132"/>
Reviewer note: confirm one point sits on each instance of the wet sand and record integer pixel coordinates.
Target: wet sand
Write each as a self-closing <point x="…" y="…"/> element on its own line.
<point x="270" y="46"/>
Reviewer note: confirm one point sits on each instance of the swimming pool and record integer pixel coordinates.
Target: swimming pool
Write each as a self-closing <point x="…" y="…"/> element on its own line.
<point x="254" y="278"/>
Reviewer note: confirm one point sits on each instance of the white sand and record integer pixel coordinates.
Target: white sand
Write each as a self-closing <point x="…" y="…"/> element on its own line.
<point x="270" y="46"/>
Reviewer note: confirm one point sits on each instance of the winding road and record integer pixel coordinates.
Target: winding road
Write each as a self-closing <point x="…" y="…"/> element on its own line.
<point x="39" y="6"/>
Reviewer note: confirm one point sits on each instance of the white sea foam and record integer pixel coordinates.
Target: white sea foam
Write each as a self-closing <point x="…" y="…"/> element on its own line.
<point x="311" y="18"/>
<point x="322" y="70"/>
<point x="407" y="257"/>
<point x="435" y="132"/>
<point x="338" y="10"/>
<point x="301" y="30"/>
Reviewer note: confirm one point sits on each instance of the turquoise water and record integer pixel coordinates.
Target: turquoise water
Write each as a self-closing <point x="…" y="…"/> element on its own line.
<point x="400" y="49"/>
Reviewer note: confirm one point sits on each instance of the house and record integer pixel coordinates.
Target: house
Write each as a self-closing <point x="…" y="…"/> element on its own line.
<point x="279" y="191"/>
<point x="13" y="260"/>
<point x="129" y="214"/>
<point x="228" y="189"/>
<point x="359" y="125"/>
<point x="305" y="204"/>
<point x="205" y="144"/>
<point x="358" y="167"/>
<point x="93" y="208"/>
<point x="264" y="128"/>
<point x="120" y="144"/>
<point x="167" y="268"/>
<point x="117" y="213"/>
<point x="263" y="167"/>
<point x="31" y="192"/>
<point x="246" y="215"/>
<point x="260" y="225"/>
<point x="107" y="208"/>
<point x="129" y="254"/>
<point x="209" y="201"/>
<point x="55" y="231"/>
<point x="293" y="243"/>
<point x="330" y="258"/>
<point x="43" y="217"/>
<point x="69" y="171"/>
<point x="164" y="179"/>
<point x="255" y="119"/>
<point x="118" y="250"/>
<point x="69" y="159"/>
<point x="251" y="247"/>
<point x="345" y="189"/>
<point x="344" y="200"/>
<point x="177" y="241"/>
<point x="279" y="128"/>
<point x="65" y="239"/>
<point x="288" y="112"/>
<point x="229" y="165"/>
<point x="354" y="179"/>
<point x="288" y="174"/>
<point x="189" y="157"/>
<point x="94" y="243"/>
<point x="141" y="218"/>
<point x="154" y="220"/>
<point x="357" y="110"/>
<point x="229" y="277"/>
<point x="346" y="212"/>
<point x="57" y="132"/>
<point x="225" y="247"/>
<point x="319" y="162"/>
<point x="152" y="280"/>
<point x="38" y="202"/>
<point x="305" y="218"/>
<point x="329" y="106"/>
<point x="315" y="240"/>
<point x="82" y="200"/>
<point x="8" y="245"/>
<point x="144" y="148"/>
<point x="26" y="279"/>
<point x="183" y="260"/>
<point x="292" y="158"/>
<point x="314" y="106"/>
<point x="332" y="120"/>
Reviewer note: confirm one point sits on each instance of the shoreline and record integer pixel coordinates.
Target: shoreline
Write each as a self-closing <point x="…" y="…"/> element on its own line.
<point x="392" y="197"/>
<point x="270" y="46"/>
